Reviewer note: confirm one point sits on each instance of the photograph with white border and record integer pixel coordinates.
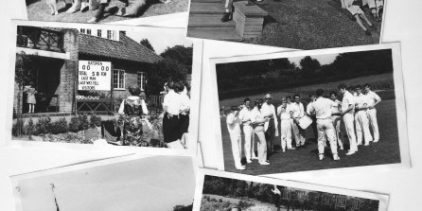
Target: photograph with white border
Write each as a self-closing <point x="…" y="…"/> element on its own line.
<point x="216" y="190"/>
<point x="100" y="11"/>
<point x="268" y="124"/>
<point x="126" y="103"/>
<point x="136" y="182"/>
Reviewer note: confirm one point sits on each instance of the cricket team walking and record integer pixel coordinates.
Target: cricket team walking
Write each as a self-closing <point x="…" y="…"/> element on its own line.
<point x="347" y="117"/>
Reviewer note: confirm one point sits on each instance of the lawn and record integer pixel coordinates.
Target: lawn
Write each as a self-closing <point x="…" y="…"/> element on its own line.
<point x="384" y="152"/>
<point x="39" y="11"/>
<point x="310" y="24"/>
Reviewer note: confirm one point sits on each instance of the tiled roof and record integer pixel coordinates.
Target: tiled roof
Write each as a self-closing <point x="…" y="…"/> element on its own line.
<point x="124" y="49"/>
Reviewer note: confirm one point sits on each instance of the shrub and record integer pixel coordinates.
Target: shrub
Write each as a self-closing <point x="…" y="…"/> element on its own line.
<point x="43" y="126"/>
<point x="244" y="204"/>
<point x="95" y="121"/>
<point x="75" y="124"/>
<point x="60" y="126"/>
<point x="29" y="129"/>
<point x="84" y="122"/>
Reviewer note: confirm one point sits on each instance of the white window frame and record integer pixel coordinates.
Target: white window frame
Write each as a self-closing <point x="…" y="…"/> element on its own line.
<point x="142" y="80"/>
<point x="117" y="86"/>
<point x="99" y="33"/>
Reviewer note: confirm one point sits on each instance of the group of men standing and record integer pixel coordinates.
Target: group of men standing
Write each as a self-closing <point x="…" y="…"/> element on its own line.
<point x="356" y="111"/>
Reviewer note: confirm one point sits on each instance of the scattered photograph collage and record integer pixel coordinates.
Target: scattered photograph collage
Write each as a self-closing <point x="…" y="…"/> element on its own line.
<point x="207" y="126"/>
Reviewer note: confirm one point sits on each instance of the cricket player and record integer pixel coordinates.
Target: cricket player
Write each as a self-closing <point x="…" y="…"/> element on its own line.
<point x="258" y="120"/>
<point x="285" y="125"/>
<point x="347" y="110"/>
<point x="270" y="126"/>
<point x="323" y="108"/>
<point x="298" y="112"/>
<point x="245" y="117"/>
<point x="336" y="117"/>
<point x="228" y="14"/>
<point x="374" y="99"/>
<point x="233" y="126"/>
<point x="361" y="117"/>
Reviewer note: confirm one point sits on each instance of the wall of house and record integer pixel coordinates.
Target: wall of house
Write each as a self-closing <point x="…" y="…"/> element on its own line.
<point x="68" y="73"/>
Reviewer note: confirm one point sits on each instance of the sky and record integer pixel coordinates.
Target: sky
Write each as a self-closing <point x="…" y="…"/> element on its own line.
<point x="323" y="58"/>
<point x="160" y="38"/>
<point x="153" y="183"/>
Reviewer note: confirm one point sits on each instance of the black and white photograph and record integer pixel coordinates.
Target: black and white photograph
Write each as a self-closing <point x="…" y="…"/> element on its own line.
<point x="102" y="85"/>
<point x="136" y="182"/>
<point x="312" y="110"/>
<point x="100" y="11"/>
<point x="296" y="24"/>
<point x="235" y="192"/>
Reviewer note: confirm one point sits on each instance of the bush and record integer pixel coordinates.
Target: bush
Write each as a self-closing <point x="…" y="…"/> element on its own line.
<point x="43" y="126"/>
<point x="60" y="126"/>
<point x="29" y="129"/>
<point x="75" y="124"/>
<point x="95" y="121"/>
<point x="244" y="204"/>
<point x="84" y="122"/>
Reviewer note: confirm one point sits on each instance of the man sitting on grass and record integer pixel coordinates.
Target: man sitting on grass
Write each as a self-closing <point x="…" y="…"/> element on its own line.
<point x="358" y="14"/>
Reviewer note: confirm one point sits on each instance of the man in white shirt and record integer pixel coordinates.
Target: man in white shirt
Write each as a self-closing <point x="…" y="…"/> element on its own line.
<point x="285" y="125"/>
<point x="298" y="111"/>
<point x="271" y="126"/>
<point x="361" y="117"/>
<point x="245" y="117"/>
<point x="233" y="126"/>
<point x="322" y="108"/>
<point x="374" y="99"/>
<point x="171" y="128"/>
<point x="336" y="118"/>
<point x="347" y="110"/>
<point x="258" y="120"/>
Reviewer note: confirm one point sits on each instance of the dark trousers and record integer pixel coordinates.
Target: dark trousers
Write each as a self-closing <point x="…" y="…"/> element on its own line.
<point x="269" y="137"/>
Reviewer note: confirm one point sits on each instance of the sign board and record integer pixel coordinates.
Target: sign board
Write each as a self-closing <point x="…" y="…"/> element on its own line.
<point x="94" y="75"/>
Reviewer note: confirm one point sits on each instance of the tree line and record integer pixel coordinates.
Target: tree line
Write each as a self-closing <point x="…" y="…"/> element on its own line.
<point x="263" y="75"/>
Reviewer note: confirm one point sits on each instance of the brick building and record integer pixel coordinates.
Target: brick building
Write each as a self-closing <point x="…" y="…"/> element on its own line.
<point x="54" y="56"/>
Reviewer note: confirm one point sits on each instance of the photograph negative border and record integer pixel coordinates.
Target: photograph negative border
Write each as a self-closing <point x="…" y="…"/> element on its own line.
<point x="399" y="94"/>
<point x="9" y="80"/>
<point x="14" y="179"/>
<point x="382" y="198"/>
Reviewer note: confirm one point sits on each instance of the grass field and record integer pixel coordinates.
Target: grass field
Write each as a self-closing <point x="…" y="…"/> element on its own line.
<point x="310" y="24"/>
<point x="386" y="151"/>
<point x="39" y="11"/>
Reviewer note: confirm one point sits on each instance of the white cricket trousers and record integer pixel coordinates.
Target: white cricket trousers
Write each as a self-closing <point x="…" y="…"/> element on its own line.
<point x="373" y="122"/>
<point x="228" y="5"/>
<point x="175" y="145"/>
<point x="286" y="133"/>
<point x="261" y="144"/>
<point x="248" y="133"/>
<point x="362" y="127"/>
<point x="348" y="120"/>
<point x="236" y="141"/>
<point x="326" y="132"/>
<point x="337" y="126"/>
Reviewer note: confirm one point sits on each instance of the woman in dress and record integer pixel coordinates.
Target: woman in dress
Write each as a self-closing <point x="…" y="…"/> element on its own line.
<point x="30" y="98"/>
<point x="132" y="110"/>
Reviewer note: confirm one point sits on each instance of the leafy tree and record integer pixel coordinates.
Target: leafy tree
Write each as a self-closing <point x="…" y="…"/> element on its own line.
<point x="164" y="71"/>
<point x="179" y="53"/>
<point x="309" y="66"/>
<point x="146" y="43"/>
